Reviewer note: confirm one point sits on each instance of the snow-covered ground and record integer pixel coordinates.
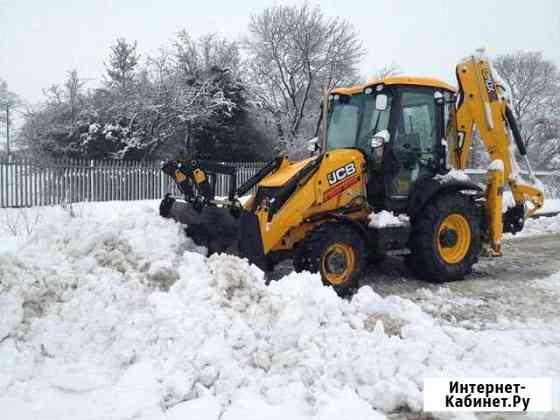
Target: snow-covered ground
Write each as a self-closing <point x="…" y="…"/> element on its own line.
<point x="550" y="205"/>
<point x="112" y="313"/>
<point x="539" y="226"/>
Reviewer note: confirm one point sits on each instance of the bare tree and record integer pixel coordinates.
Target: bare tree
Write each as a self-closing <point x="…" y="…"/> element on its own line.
<point x="386" y="71"/>
<point x="534" y="83"/>
<point x="294" y="53"/>
<point x="54" y="95"/>
<point x="195" y="56"/>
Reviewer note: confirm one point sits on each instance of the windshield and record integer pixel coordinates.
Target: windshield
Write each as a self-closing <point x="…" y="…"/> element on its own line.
<point x="353" y="120"/>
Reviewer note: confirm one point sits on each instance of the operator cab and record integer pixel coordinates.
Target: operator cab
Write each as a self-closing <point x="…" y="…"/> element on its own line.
<point x="399" y="124"/>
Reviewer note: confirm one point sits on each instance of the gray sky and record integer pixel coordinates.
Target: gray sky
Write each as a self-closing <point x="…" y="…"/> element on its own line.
<point x="40" y="40"/>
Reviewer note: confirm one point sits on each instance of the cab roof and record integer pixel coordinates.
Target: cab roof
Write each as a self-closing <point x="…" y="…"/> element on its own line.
<point x="396" y="80"/>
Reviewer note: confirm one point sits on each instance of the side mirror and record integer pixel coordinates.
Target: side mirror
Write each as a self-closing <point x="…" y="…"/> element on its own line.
<point x="381" y="102"/>
<point x="378" y="148"/>
<point x="380" y="138"/>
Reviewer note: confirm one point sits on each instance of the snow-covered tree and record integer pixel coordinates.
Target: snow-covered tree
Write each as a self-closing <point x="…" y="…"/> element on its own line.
<point x="9" y="103"/>
<point x="534" y="84"/>
<point x="122" y="65"/>
<point x="294" y="53"/>
<point x="74" y="87"/>
<point x="187" y="101"/>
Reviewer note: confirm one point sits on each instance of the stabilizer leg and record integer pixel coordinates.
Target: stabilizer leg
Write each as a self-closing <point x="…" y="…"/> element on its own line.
<point x="494" y="198"/>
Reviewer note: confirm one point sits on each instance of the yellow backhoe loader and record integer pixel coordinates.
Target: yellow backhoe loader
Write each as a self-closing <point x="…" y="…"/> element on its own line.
<point x="393" y="145"/>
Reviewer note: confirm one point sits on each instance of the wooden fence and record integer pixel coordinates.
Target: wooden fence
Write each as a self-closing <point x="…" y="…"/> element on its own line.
<point x="26" y="183"/>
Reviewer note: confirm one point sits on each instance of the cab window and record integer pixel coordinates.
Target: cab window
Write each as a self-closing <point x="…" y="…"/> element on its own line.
<point x="373" y="121"/>
<point x="415" y="139"/>
<point x="343" y="121"/>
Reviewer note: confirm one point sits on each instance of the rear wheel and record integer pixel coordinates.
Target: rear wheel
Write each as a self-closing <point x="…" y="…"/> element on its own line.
<point x="336" y="251"/>
<point x="445" y="239"/>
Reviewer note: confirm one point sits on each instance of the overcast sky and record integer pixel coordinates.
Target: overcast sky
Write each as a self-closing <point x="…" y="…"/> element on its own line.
<point x="42" y="39"/>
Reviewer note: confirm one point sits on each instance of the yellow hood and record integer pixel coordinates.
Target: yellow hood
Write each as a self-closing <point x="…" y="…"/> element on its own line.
<point x="284" y="173"/>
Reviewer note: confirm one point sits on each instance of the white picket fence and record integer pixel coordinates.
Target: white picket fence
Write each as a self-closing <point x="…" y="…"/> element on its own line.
<point x="27" y="183"/>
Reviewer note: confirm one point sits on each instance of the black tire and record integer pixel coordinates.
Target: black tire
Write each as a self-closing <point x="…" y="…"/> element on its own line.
<point x="376" y="257"/>
<point x="440" y="254"/>
<point x="320" y="251"/>
<point x="299" y="261"/>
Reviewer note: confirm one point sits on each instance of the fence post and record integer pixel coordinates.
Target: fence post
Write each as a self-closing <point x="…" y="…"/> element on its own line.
<point x="2" y="166"/>
<point x="161" y="185"/>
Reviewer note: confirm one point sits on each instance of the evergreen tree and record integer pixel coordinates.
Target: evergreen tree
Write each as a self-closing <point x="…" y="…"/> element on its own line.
<point x="123" y="62"/>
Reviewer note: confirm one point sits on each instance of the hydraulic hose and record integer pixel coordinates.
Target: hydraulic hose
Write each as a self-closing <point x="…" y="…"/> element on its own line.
<point x="515" y="131"/>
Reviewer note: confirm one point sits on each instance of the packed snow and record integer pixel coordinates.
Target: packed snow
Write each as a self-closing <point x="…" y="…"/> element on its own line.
<point x="540" y="226"/>
<point x="108" y="311"/>
<point x="386" y="218"/>
<point x="551" y="205"/>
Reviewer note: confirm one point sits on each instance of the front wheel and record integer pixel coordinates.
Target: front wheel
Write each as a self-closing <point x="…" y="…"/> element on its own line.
<point x="445" y="239"/>
<point x="337" y="252"/>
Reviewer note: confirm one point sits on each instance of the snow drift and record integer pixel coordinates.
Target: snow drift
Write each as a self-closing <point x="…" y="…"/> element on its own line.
<point x="114" y="314"/>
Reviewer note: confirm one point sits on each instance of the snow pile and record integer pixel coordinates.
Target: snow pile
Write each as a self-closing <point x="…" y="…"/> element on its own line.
<point x="117" y="315"/>
<point x="550" y="205"/>
<point x="443" y="303"/>
<point x="386" y="218"/>
<point x="540" y="226"/>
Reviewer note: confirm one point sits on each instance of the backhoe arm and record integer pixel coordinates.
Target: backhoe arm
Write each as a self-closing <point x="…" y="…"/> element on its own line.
<point x="482" y="104"/>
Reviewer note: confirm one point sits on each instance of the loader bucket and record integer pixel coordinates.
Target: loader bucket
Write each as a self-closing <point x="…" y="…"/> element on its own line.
<point x="212" y="227"/>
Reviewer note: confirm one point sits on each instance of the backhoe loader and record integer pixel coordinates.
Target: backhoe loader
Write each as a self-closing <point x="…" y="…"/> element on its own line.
<point x="394" y="145"/>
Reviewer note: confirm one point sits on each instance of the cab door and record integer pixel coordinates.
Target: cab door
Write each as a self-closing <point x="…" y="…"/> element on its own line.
<point x="413" y="144"/>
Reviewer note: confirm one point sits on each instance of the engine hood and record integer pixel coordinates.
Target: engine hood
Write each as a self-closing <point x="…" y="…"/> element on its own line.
<point x="284" y="173"/>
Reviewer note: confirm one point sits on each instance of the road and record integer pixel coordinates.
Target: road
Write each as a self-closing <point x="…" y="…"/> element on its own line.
<point x="508" y="287"/>
<point x="505" y="287"/>
<point x="498" y="287"/>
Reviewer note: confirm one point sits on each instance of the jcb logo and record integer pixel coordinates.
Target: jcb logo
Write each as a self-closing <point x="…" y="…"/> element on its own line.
<point x="341" y="173"/>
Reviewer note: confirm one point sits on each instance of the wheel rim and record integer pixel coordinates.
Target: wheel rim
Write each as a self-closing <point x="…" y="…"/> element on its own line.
<point x="338" y="263"/>
<point x="454" y="238"/>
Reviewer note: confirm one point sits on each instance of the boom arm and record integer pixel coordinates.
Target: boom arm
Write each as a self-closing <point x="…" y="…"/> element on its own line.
<point x="482" y="103"/>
